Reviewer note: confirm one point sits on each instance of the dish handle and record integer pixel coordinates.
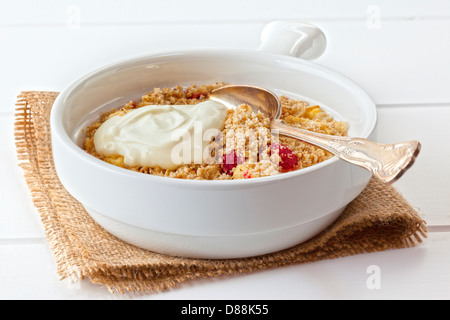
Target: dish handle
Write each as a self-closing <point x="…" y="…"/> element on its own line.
<point x="298" y="39"/>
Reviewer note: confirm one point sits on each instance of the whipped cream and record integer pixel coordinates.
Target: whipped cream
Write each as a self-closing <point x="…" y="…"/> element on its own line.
<point x="162" y="135"/>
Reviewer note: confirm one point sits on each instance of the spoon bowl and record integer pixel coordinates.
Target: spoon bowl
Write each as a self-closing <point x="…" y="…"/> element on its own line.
<point x="258" y="98"/>
<point x="387" y="162"/>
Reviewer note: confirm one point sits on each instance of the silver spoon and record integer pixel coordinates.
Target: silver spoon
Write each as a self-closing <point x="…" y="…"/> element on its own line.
<point x="387" y="162"/>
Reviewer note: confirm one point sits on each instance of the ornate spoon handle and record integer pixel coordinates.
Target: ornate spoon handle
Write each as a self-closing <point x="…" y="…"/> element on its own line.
<point x="387" y="162"/>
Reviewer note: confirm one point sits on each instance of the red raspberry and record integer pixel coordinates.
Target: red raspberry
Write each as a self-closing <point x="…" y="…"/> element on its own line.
<point x="289" y="160"/>
<point x="200" y="95"/>
<point x="230" y="161"/>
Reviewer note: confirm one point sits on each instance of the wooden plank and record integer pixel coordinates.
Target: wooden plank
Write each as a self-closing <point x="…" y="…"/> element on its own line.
<point x="405" y="62"/>
<point x="402" y="62"/>
<point x="50" y="58"/>
<point x="115" y="12"/>
<point x="416" y="273"/>
<point x="426" y="184"/>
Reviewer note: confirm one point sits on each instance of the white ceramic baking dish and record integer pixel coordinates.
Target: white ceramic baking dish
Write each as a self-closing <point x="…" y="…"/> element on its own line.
<point x="213" y="219"/>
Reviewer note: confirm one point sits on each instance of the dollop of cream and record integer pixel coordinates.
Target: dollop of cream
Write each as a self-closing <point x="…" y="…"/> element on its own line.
<point x="162" y="135"/>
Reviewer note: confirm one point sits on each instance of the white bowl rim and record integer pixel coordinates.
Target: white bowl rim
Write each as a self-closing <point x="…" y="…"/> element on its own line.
<point x="57" y="127"/>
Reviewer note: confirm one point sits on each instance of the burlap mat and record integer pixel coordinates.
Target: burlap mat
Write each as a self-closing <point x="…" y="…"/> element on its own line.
<point x="379" y="219"/>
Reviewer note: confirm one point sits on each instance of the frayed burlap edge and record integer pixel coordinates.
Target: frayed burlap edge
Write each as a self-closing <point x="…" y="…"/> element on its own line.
<point x="379" y="219"/>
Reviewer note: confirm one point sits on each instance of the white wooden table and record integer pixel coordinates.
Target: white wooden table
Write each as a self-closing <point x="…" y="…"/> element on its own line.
<point x="398" y="51"/>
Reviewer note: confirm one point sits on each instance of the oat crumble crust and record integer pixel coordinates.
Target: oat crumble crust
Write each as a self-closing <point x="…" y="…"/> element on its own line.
<point x="245" y="131"/>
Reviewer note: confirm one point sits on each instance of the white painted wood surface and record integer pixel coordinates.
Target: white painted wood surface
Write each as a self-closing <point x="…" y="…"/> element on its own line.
<point x="397" y="50"/>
